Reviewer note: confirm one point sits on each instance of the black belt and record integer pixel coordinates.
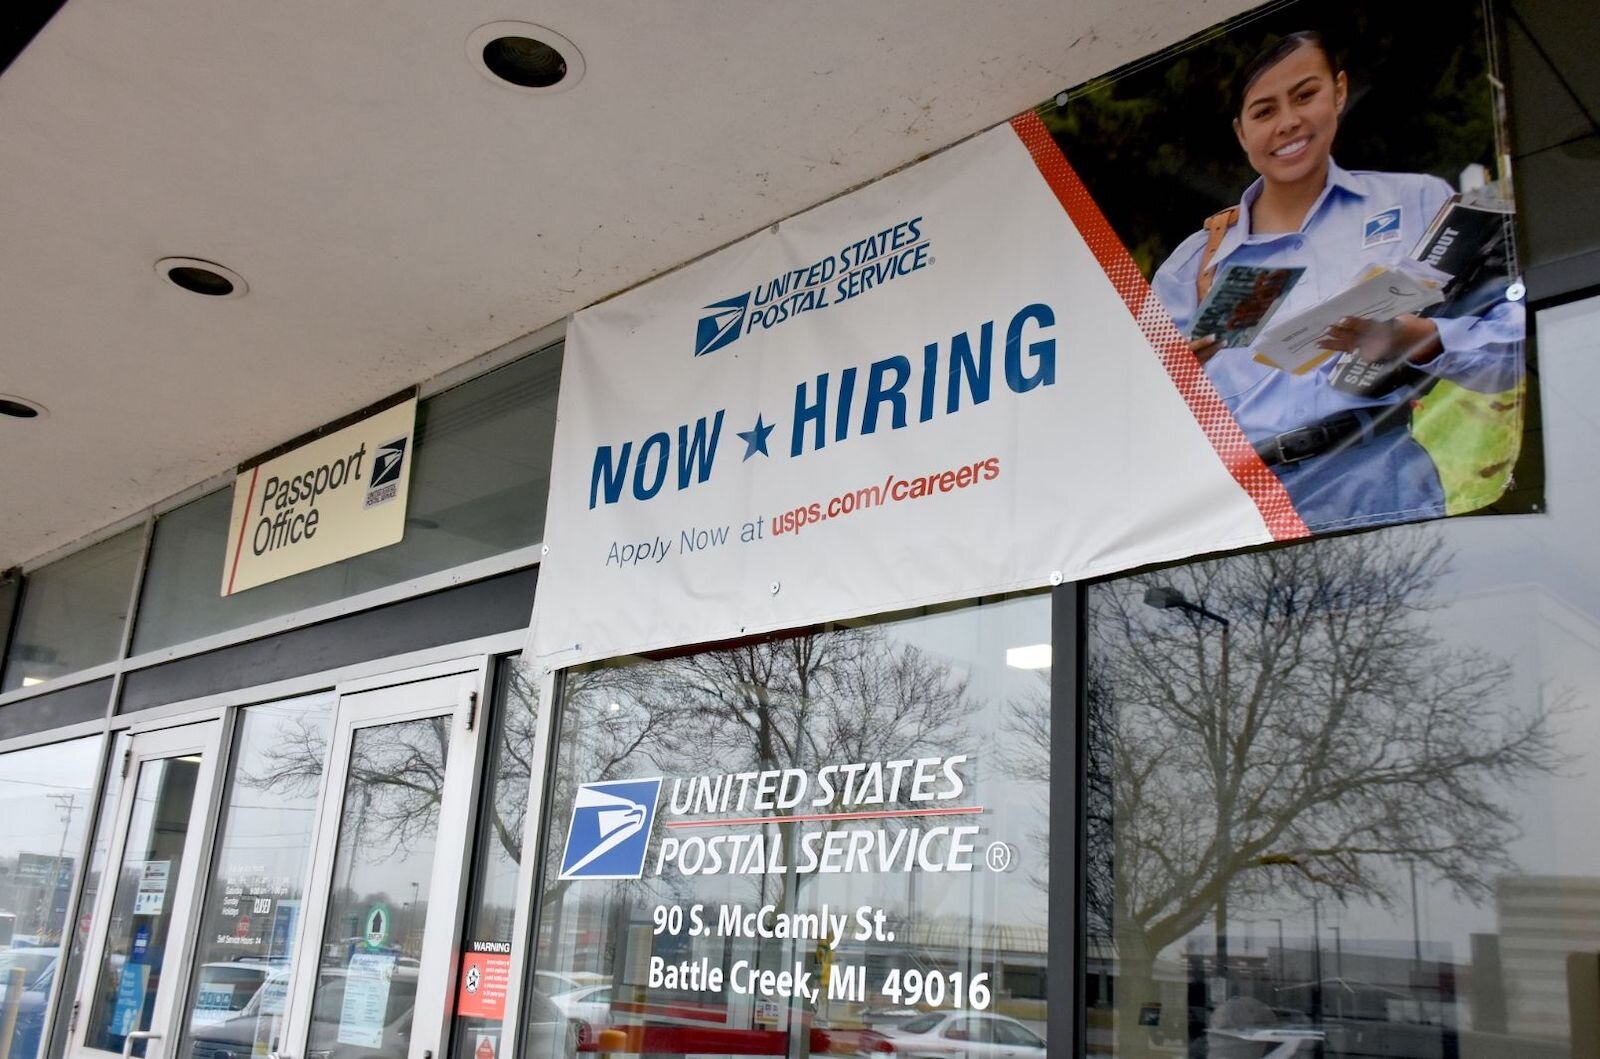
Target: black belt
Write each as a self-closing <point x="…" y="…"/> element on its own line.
<point x="1335" y="432"/>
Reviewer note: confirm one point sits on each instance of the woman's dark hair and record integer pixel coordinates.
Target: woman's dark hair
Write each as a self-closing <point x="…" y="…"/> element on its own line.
<point x="1272" y="55"/>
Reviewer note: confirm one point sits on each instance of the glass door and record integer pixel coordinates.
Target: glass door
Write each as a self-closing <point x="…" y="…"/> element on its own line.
<point x="140" y="926"/>
<point x="387" y="877"/>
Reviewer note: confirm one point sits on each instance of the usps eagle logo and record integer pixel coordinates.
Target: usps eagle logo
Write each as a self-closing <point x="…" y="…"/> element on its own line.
<point x="1383" y="227"/>
<point x="387" y="463"/>
<point x="610" y="830"/>
<point x="724" y="324"/>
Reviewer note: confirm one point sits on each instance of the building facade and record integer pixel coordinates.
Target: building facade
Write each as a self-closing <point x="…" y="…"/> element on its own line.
<point x="1322" y="797"/>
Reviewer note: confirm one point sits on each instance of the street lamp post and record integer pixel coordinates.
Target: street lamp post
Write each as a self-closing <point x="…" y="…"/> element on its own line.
<point x="1165" y="597"/>
<point x="411" y="918"/>
<point x="1338" y="966"/>
<point x="1316" y="961"/>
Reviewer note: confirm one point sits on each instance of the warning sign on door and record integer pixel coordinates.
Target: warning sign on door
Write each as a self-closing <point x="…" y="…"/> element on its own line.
<point x="485" y="973"/>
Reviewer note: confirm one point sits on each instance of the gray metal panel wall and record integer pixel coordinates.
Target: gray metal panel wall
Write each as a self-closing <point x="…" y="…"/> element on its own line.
<point x="56" y="709"/>
<point x="483" y="608"/>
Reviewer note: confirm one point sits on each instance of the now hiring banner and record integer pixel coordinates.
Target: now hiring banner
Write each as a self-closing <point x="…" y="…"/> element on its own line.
<point x="959" y="381"/>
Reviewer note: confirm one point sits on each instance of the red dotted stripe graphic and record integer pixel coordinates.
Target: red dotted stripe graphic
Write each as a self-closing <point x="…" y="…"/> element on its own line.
<point x="1263" y="487"/>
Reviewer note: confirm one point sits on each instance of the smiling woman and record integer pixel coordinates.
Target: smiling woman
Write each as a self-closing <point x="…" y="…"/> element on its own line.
<point x="1334" y="427"/>
<point x="1289" y="106"/>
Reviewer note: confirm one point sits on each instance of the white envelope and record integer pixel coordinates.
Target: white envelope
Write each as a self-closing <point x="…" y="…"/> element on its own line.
<point x="1294" y="345"/>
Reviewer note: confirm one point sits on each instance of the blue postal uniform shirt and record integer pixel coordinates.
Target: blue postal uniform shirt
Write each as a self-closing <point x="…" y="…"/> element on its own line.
<point x="1361" y="219"/>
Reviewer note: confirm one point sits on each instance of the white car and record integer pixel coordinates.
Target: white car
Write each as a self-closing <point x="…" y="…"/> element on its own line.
<point x="965" y="1033"/>
<point x="1281" y="1042"/>
<point x="587" y="1008"/>
<point x="554" y="983"/>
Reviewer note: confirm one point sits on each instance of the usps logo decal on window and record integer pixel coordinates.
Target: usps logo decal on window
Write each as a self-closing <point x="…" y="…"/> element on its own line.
<point x="610" y="830"/>
<point x="1381" y="228"/>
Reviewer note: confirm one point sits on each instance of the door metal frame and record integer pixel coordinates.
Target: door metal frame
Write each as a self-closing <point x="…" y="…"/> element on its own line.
<point x="522" y="915"/>
<point x="204" y="737"/>
<point x="456" y="688"/>
<point x="1065" y="964"/>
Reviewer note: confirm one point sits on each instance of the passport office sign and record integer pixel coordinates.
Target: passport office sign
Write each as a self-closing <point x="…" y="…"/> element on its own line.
<point x="339" y="494"/>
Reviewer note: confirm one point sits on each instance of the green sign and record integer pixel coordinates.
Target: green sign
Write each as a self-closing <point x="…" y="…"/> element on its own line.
<point x="377" y="926"/>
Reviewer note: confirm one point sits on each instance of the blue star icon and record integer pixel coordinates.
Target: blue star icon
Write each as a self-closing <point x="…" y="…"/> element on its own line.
<point x="755" y="439"/>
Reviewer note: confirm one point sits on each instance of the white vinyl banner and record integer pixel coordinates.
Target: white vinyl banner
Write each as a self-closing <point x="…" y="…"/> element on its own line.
<point x="950" y="383"/>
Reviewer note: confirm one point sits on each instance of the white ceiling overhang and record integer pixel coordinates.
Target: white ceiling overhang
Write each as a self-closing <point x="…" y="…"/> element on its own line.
<point x="395" y="213"/>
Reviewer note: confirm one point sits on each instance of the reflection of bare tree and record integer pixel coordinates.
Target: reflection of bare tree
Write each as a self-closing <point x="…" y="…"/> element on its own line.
<point x="847" y="695"/>
<point x="1324" y="735"/>
<point x="836" y="696"/>
<point x="514" y="761"/>
<point x="1027" y="730"/>
<point x="398" y="770"/>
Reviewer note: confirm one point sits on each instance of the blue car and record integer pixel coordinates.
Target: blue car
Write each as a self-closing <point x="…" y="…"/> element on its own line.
<point x="39" y="971"/>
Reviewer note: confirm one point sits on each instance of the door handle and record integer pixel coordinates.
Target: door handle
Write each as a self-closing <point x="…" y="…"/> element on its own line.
<point x="137" y="1035"/>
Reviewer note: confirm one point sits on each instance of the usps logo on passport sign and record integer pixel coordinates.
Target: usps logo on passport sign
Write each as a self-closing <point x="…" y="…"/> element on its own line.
<point x="610" y="830"/>
<point x="387" y="466"/>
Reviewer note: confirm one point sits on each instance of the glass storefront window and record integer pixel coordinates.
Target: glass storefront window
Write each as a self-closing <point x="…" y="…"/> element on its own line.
<point x="46" y="798"/>
<point x="368" y="963"/>
<point x="73" y="612"/>
<point x="488" y="937"/>
<point x="251" y="909"/>
<point x="478" y="488"/>
<point x="1341" y="794"/>
<point x="805" y="846"/>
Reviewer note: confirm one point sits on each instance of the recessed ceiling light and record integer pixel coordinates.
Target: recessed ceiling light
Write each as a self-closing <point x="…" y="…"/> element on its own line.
<point x="525" y="57"/>
<point x="20" y="407"/>
<point x="202" y="277"/>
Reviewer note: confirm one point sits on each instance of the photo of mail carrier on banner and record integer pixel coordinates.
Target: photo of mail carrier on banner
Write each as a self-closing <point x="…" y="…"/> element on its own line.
<point x="1260" y="286"/>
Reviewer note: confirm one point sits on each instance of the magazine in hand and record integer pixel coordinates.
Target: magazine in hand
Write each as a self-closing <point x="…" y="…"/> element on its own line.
<point x="1464" y="230"/>
<point x="1241" y="300"/>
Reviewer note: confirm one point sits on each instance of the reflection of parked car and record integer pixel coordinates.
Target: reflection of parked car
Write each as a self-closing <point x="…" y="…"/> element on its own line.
<point x="225" y="987"/>
<point x="555" y="983"/>
<point x="547" y="1031"/>
<point x="588" y="1008"/>
<point x="968" y="1033"/>
<point x="888" y="1018"/>
<point x="39" y="971"/>
<point x="1277" y="1042"/>
<point x="235" y="1038"/>
<point x="33" y="962"/>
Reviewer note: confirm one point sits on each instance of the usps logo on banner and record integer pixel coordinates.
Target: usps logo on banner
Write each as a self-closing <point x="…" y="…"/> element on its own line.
<point x="610" y="829"/>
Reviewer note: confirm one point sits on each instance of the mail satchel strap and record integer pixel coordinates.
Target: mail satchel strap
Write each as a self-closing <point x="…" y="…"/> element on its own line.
<point x="1216" y="226"/>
